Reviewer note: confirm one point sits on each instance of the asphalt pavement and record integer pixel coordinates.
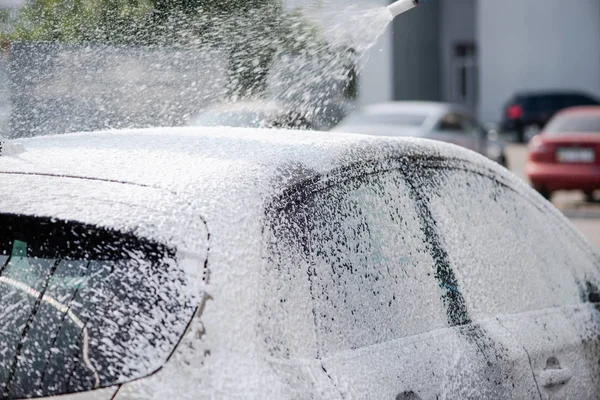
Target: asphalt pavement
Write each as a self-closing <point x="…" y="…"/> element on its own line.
<point x="585" y="216"/>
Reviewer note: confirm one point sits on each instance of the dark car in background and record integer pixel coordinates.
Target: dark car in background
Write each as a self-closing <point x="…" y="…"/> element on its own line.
<point x="566" y="155"/>
<point x="527" y="110"/>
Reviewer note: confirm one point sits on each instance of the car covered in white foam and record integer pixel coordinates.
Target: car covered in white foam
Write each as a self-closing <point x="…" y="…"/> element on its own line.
<point x="199" y="263"/>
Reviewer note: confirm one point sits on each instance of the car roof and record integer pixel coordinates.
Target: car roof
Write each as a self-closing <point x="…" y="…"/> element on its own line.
<point x="168" y="157"/>
<point x="580" y="110"/>
<point x="207" y="172"/>
<point x="549" y="92"/>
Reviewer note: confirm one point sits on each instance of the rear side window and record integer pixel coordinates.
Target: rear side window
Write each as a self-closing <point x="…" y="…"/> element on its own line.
<point x="508" y="255"/>
<point x="84" y="307"/>
<point x="574" y="123"/>
<point x="358" y="253"/>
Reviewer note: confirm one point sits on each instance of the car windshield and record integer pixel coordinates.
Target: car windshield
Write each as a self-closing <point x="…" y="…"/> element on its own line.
<point x="574" y="124"/>
<point x="544" y="103"/>
<point x="400" y="119"/>
<point x="83" y="307"/>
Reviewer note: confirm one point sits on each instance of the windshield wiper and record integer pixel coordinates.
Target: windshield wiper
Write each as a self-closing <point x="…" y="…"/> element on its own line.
<point x="65" y="313"/>
<point x="5" y="264"/>
<point x="25" y="332"/>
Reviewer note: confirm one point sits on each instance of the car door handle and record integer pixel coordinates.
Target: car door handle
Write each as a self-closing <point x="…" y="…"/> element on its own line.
<point x="553" y="377"/>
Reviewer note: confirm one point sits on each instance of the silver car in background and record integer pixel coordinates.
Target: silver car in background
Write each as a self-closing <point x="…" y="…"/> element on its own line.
<point x="431" y="120"/>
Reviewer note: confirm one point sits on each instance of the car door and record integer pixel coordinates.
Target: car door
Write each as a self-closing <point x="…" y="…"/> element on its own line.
<point x="388" y="318"/>
<point x="517" y="260"/>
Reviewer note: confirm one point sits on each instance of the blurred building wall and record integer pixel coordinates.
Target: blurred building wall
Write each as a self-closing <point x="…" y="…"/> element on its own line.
<point x="458" y="52"/>
<point x="536" y="44"/>
<point x="416" y="54"/>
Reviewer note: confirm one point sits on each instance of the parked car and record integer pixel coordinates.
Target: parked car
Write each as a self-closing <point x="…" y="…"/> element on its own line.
<point x="566" y="155"/>
<point x="196" y="263"/>
<point x="533" y="110"/>
<point x="439" y="121"/>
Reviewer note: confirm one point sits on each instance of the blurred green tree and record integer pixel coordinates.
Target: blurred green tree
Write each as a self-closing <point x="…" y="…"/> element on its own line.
<point x="78" y="20"/>
<point x="251" y="32"/>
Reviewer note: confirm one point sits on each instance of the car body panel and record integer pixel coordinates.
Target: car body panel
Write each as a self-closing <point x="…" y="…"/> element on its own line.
<point x="99" y="394"/>
<point x="492" y="364"/>
<point x="564" y="177"/>
<point x="559" y="342"/>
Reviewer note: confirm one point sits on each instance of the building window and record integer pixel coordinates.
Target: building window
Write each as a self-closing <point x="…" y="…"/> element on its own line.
<point x="465" y="78"/>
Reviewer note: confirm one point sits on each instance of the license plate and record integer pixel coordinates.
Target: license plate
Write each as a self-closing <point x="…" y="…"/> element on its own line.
<point x="575" y="155"/>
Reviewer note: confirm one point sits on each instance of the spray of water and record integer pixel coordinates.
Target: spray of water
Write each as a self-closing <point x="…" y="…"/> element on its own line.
<point x="354" y="26"/>
<point x="163" y="71"/>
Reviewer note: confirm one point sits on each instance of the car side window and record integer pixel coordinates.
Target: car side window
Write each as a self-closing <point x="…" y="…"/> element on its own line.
<point x="366" y="269"/>
<point x="509" y="256"/>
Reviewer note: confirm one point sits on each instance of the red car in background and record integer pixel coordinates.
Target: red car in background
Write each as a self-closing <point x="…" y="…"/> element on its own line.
<point x="566" y="155"/>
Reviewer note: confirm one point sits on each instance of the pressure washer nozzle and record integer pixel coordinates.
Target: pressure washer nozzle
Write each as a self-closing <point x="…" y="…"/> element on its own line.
<point x="402" y="6"/>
